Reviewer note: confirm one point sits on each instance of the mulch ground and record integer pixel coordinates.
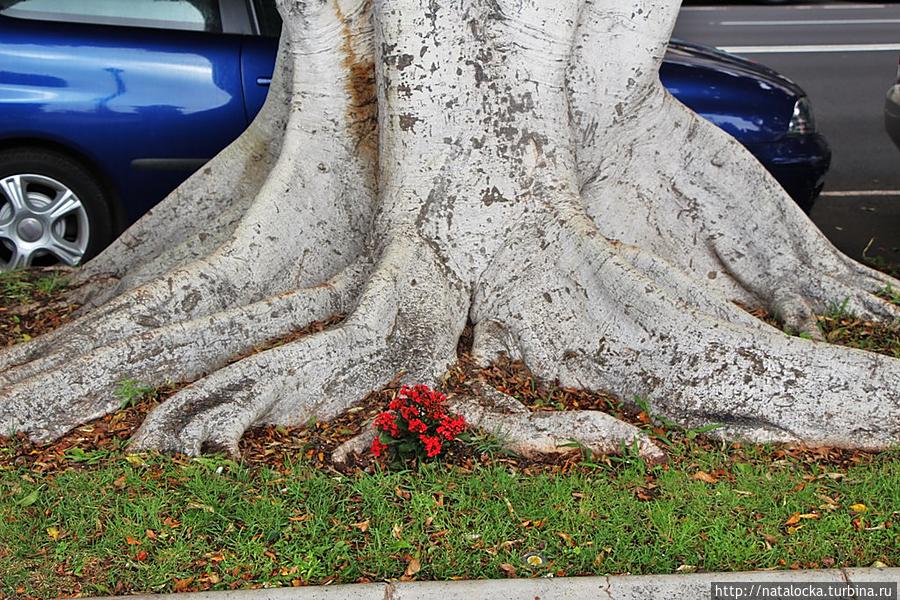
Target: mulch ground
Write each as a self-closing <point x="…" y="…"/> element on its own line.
<point x="28" y="309"/>
<point x="277" y="447"/>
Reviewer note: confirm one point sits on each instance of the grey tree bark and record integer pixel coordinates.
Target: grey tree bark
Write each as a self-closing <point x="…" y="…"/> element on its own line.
<point x="515" y="164"/>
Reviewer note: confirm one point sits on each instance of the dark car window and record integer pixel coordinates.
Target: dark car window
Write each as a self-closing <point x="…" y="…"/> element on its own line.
<point x="268" y="18"/>
<point x="192" y="15"/>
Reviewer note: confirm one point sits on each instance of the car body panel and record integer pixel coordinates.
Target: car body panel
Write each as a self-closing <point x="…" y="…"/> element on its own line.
<point x="257" y="61"/>
<point x="755" y="105"/>
<point x="749" y="101"/>
<point x="798" y="163"/>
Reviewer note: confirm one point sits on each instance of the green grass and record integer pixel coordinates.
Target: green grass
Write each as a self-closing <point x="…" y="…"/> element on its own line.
<point x="215" y="524"/>
<point x="24" y="287"/>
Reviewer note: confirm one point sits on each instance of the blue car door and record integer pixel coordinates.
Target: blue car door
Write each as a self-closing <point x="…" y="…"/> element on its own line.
<point x="149" y="90"/>
<point x="257" y="64"/>
<point x="259" y="53"/>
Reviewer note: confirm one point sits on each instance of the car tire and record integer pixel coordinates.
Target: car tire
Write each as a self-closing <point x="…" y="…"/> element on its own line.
<point x="64" y="225"/>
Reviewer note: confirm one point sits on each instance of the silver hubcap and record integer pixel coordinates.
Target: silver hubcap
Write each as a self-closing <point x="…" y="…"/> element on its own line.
<point x="41" y="221"/>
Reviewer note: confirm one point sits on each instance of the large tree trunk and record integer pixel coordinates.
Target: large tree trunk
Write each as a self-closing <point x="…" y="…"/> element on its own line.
<point x="512" y="163"/>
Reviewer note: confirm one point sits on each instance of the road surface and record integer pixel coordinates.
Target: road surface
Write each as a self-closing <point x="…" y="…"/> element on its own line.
<point x="845" y="56"/>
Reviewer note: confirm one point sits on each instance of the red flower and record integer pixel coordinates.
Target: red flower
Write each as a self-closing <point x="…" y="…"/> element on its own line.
<point x="378" y="448"/>
<point x="418" y="414"/>
<point x="387" y="422"/>
<point x="417" y="426"/>
<point x="409" y="412"/>
<point x="432" y="445"/>
<point x="451" y="427"/>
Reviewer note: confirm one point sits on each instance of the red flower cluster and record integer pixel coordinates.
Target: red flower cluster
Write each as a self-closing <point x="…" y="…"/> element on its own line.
<point x="417" y="418"/>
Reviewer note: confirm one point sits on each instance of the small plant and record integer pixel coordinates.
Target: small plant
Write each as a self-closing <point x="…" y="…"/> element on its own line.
<point x="890" y="294"/>
<point x="839" y="310"/>
<point x="492" y="444"/>
<point x="587" y="455"/>
<point x="644" y="405"/>
<point x="24" y="286"/>
<point x="88" y="457"/>
<point x="51" y="284"/>
<point x="416" y="424"/>
<point x="129" y="392"/>
<point x="14" y="286"/>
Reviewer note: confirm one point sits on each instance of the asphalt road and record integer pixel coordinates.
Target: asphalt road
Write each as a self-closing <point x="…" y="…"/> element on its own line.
<point x="845" y="56"/>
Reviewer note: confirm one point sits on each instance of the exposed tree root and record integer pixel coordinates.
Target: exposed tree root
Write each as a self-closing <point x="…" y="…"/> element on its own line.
<point x="542" y="434"/>
<point x="796" y="274"/>
<point x="325" y="374"/>
<point x="766" y="386"/>
<point x="355" y="446"/>
<point x="709" y="209"/>
<point x="221" y="335"/>
<point x="179" y="352"/>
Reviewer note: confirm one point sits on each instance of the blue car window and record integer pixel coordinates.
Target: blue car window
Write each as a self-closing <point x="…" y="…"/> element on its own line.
<point x="192" y="15"/>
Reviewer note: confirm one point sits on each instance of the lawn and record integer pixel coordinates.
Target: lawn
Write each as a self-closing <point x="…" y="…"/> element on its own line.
<point x="128" y="523"/>
<point x="82" y="516"/>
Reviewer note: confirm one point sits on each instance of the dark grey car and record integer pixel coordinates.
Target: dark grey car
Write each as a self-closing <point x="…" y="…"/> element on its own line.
<point x="892" y="111"/>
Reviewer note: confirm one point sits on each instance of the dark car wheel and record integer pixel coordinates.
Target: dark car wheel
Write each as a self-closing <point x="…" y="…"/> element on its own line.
<point x="52" y="210"/>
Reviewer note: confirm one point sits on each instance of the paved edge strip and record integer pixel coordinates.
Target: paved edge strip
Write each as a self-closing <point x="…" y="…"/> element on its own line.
<point x="621" y="587"/>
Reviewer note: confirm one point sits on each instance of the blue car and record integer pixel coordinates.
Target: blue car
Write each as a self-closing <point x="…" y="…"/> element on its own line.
<point x="107" y="105"/>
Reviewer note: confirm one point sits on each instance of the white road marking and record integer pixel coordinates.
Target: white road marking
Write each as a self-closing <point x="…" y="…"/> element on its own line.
<point x="811" y="48"/>
<point x="796" y="23"/>
<point x="865" y="193"/>
<point x="786" y="8"/>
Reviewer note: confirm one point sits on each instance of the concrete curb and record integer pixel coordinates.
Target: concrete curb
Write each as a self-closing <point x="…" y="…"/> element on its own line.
<point x="658" y="587"/>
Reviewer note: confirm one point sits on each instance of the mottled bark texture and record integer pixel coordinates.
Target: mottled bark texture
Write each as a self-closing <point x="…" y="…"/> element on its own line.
<point x="515" y="164"/>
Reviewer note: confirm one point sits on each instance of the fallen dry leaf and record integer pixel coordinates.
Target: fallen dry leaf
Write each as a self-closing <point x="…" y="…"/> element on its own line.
<point x="793" y="519"/>
<point x="412" y="567"/>
<point x="362" y="525"/>
<point x="704" y="477"/>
